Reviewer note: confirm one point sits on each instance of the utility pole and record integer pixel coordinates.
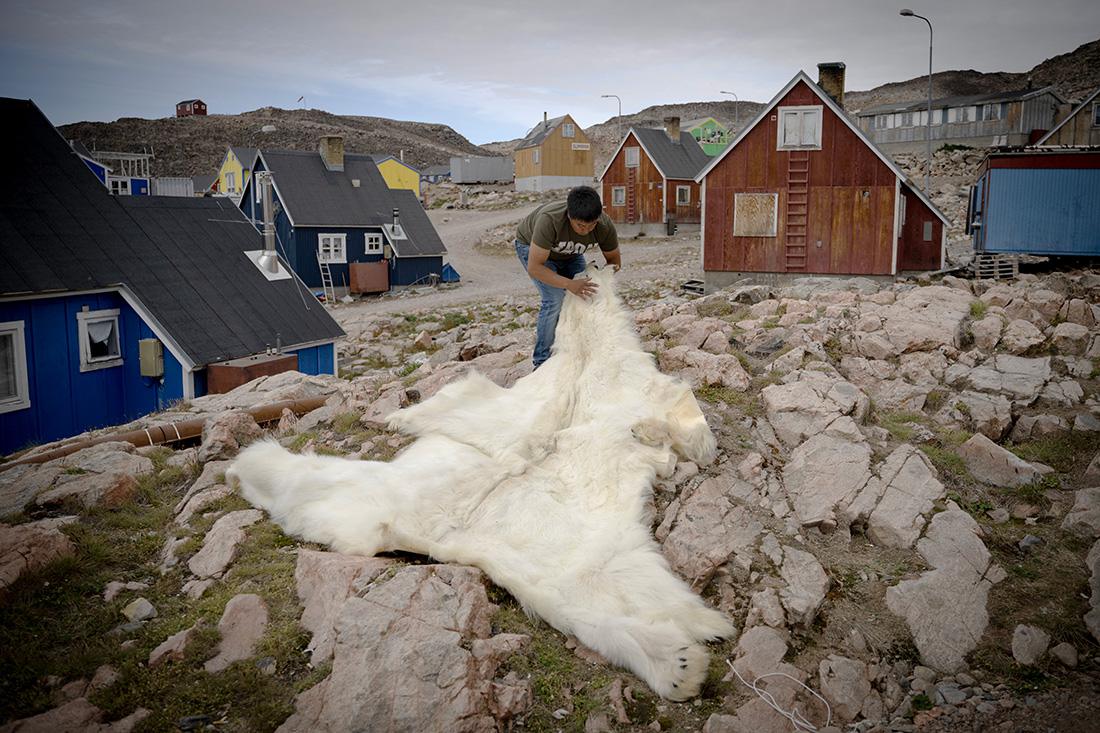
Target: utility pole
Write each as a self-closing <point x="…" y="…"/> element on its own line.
<point x="906" y="12"/>
<point x="619" y="116"/>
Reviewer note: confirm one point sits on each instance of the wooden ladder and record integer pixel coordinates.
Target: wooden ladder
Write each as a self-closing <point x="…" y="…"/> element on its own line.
<point x="798" y="209"/>
<point x="326" y="281"/>
<point x="631" y="195"/>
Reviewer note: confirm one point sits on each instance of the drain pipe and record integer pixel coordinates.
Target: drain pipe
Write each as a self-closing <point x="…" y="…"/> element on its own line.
<point x="171" y="432"/>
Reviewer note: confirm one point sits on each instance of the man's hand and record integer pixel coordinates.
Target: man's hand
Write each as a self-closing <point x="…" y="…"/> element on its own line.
<point x="583" y="288"/>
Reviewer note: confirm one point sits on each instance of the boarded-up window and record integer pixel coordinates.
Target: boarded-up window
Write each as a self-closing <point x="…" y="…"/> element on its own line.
<point x="799" y="128"/>
<point x="754" y="214"/>
<point x="632" y="157"/>
<point x="928" y="231"/>
<point x="618" y="195"/>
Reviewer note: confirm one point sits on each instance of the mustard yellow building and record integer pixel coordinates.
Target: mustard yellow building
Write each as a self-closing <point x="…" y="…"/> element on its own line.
<point x="235" y="169"/>
<point x="398" y="175"/>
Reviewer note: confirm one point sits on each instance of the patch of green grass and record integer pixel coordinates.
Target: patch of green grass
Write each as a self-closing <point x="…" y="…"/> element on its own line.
<point x="770" y="322"/>
<point x="921" y="702"/>
<point x="715" y="308"/>
<point x="935" y="400"/>
<point x="346" y="422"/>
<point x="407" y="369"/>
<point x="1061" y="451"/>
<point x="1034" y="492"/>
<point x="833" y="349"/>
<point x="748" y="401"/>
<point x="900" y="424"/>
<point x="301" y="440"/>
<point x="976" y="508"/>
<point x="978" y="309"/>
<point x="947" y="461"/>
<point x="962" y="408"/>
<point x="75" y="471"/>
<point x="454" y="319"/>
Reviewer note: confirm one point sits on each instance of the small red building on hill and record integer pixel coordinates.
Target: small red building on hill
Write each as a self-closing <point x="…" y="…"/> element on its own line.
<point x="803" y="191"/>
<point x="649" y="181"/>
<point x="189" y="107"/>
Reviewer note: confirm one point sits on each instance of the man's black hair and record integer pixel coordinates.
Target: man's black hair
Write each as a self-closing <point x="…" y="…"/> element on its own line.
<point x="583" y="204"/>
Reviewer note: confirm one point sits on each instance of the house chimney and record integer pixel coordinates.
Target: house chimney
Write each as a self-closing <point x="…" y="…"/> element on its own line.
<point x="830" y="77"/>
<point x="332" y="152"/>
<point x="268" y="260"/>
<point x="545" y="122"/>
<point x="672" y="127"/>
<point x="396" y="217"/>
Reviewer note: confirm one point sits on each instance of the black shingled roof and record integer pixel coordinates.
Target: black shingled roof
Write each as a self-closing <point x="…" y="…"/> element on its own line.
<point x="181" y="258"/>
<point x="539" y="132"/>
<point x="683" y="160"/>
<point x="314" y="196"/>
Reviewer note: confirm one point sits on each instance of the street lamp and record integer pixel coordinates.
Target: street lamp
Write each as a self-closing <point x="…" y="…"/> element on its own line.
<point x="736" y="108"/>
<point x="618" y="117"/>
<point x="906" y="12"/>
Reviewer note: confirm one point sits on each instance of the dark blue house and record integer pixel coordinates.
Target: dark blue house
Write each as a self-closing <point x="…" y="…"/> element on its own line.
<point x="100" y="170"/>
<point x="337" y="208"/>
<point x="88" y="280"/>
<point x="1040" y="202"/>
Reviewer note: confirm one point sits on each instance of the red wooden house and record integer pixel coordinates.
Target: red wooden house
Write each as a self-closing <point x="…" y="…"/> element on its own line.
<point x="189" y="107"/>
<point x="802" y="191"/>
<point x="649" y="181"/>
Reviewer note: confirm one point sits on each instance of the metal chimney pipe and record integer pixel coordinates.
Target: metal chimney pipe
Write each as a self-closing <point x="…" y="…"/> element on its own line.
<point x="269" y="260"/>
<point x="396" y="216"/>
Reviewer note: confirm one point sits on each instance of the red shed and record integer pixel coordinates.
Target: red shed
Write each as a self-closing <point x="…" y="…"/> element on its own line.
<point x="650" y="179"/>
<point x="802" y="190"/>
<point x="189" y="107"/>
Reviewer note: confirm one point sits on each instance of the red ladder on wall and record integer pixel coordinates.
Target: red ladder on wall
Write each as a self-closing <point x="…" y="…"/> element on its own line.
<point x="798" y="209"/>
<point x="631" y="204"/>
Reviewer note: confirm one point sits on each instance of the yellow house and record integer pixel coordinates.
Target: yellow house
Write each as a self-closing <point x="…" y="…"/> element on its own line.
<point x="398" y="174"/>
<point x="235" y="170"/>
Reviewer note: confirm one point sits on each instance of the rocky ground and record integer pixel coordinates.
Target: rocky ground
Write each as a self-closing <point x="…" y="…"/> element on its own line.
<point x="902" y="515"/>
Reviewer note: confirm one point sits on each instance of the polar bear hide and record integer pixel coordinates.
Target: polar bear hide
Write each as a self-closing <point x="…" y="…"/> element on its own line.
<point x="543" y="486"/>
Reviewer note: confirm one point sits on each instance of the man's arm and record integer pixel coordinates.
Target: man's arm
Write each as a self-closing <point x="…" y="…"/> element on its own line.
<point x="614" y="258"/>
<point x="536" y="268"/>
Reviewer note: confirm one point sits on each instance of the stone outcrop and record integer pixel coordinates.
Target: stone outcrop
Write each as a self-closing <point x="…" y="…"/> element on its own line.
<point x="992" y="464"/>
<point x="220" y="546"/>
<point x="242" y="625"/>
<point x="708" y="529"/>
<point x="26" y="548"/>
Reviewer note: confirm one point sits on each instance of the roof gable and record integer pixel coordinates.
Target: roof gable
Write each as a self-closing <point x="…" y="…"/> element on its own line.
<point x="680" y="161"/>
<point x="1070" y="116"/>
<point x="827" y="101"/>
<point x="537" y="134"/>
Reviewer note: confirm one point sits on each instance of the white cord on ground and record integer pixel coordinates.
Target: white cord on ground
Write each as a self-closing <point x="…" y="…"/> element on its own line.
<point x="797" y="719"/>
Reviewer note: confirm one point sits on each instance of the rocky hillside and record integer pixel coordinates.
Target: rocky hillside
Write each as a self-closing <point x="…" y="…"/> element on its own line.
<point x="196" y="145"/>
<point x="900" y="515"/>
<point x="1074" y="74"/>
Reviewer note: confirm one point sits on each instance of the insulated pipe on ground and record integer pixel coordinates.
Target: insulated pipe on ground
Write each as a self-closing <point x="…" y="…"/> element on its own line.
<point x="171" y="432"/>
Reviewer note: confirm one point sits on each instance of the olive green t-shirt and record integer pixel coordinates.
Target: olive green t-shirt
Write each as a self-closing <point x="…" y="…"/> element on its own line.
<point x="548" y="227"/>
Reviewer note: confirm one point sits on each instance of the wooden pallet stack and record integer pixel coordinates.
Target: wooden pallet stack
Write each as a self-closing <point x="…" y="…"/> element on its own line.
<point x="995" y="266"/>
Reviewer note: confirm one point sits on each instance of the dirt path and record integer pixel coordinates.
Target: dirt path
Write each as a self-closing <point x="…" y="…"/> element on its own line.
<point x="494" y="277"/>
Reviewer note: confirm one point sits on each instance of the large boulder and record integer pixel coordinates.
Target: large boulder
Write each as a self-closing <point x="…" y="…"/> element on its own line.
<point x="945" y="608"/>
<point x="825" y="473"/>
<point x="105" y="474"/>
<point x="226" y="433"/>
<point x="1084" y="518"/>
<point x="242" y="625"/>
<point x="219" y="548"/>
<point x="25" y="548"/>
<point x="807" y="584"/>
<point x="809" y="401"/>
<point x="1070" y="338"/>
<point x="705" y="369"/>
<point x="927" y="318"/>
<point x="1021" y="335"/>
<point x="708" y="529"/>
<point x="1017" y="377"/>
<point x="992" y="464"/>
<point x="911" y="488"/>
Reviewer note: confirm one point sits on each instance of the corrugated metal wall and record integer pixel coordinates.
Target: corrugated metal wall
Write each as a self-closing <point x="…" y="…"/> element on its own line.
<point x="1048" y="211"/>
<point x="482" y="169"/>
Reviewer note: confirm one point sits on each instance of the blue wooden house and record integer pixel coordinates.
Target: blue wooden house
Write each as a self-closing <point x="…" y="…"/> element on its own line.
<point x="1039" y="202"/>
<point x="336" y="208"/>
<point x="100" y="170"/>
<point x="86" y="277"/>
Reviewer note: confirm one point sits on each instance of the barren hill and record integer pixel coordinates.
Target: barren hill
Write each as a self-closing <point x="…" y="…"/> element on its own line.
<point x="193" y="145"/>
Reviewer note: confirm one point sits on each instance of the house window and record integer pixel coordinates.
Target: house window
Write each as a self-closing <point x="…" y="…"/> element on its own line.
<point x="567" y="130"/>
<point x="231" y="182"/>
<point x="799" y="128"/>
<point x="906" y="119"/>
<point x="1096" y="115"/>
<point x="618" y="195"/>
<point x="120" y="186"/>
<point x="633" y="157"/>
<point x="991" y="111"/>
<point x="683" y="195"/>
<point x="927" y="231"/>
<point x="331" y="248"/>
<point x="537" y="156"/>
<point x="97" y="332"/>
<point x="14" y="392"/>
<point x="374" y="244"/>
<point x="901" y="211"/>
<point x="754" y="214"/>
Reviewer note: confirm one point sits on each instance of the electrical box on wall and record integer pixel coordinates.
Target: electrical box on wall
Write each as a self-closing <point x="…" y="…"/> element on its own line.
<point x="151" y="357"/>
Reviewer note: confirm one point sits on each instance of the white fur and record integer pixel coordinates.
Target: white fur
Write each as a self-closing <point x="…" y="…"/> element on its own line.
<point x="542" y="486"/>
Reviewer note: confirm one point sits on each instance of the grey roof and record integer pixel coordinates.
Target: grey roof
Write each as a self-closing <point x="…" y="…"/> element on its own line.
<point x="203" y="182"/>
<point x="437" y="170"/>
<point x="247" y="156"/>
<point x="957" y="101"/>
<point x="314" y="196"/>
<point x="674" y="160"/>
<point x="539" y="132"/>
<point x="181" y="258"/>
<point x="81" y="150"/>
<point x="381" y="157"/>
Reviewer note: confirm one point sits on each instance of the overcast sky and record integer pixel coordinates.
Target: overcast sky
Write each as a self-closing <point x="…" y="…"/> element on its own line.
<point x="490" y="69"/>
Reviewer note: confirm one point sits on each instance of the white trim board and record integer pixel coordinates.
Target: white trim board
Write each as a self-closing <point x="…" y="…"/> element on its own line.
<point x="828" y="102"/>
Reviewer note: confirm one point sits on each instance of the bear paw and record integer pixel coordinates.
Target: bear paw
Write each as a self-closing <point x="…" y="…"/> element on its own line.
<point x="680" y="676"/>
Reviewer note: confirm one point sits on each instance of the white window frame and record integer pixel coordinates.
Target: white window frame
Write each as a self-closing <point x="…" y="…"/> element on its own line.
<point x="618" y="195"/>
<point x="775" y="214"/>
<point x="568" y="130"/>
<point x="802" y="111"/>
<point x="372" y="243"/>
<point x="633" y="156"/>
<point x="334" y="251"/>
<point x="89" y="363"/>
<point x="686" y="199"/>
<point x="21" y="400"/>
<point x="119" y="186"/>
<point x="231" y="182"/>
<point x="537" y="156"/>
<point x="1096" y="115"/>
